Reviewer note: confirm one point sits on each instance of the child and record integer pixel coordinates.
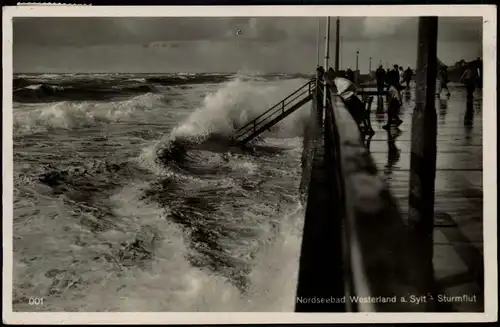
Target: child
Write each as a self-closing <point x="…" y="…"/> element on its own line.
<point x="394" y="105"/>
<point x="401" y="75"/>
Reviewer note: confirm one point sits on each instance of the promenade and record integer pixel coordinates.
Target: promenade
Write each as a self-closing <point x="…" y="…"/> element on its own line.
<point x="458" y="233"/>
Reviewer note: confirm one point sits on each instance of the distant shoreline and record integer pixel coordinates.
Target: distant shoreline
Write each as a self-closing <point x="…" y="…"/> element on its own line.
<point x="164" y="73"/>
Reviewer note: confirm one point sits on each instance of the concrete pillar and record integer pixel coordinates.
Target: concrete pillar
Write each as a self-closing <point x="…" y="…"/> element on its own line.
<point x="423" y="147"/>
<point x="424" y="129"/>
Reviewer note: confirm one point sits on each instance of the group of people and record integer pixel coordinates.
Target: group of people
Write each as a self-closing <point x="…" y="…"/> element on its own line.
<point x="347" y="90"/>
<point x="330" y="74"/>
<point x="391" y="80"/>
<point x="395" y="77"/>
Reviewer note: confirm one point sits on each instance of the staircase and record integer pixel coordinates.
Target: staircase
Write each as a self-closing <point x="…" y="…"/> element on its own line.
<point x="276" y="113"/>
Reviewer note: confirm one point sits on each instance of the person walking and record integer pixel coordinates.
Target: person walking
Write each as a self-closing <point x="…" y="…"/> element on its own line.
<point x="443" y="81"/>
<point x="394" y="105"/>
<point x="320" y="71"/>
<point x="330" y="76"/>
<point x="393" y="77"/>
<point x="401" y="75"/>
<point x="479" y="73"/>
<point x="469" y="78"/>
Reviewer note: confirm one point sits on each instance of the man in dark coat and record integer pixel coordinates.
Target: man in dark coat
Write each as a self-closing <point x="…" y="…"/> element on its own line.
<point x="393" y="77"/>
<point x="349" y="74"/>
<point x="407" y="76"/>
<point x="380" y="77"/>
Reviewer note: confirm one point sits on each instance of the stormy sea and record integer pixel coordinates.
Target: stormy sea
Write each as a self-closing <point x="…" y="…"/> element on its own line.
<point x="128" y="195"/>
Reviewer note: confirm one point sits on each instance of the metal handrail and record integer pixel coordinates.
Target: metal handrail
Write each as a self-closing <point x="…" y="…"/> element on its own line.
<point x="283" y="103"/>
<point x="273" y="110"/>
<point x="253" y="125"/>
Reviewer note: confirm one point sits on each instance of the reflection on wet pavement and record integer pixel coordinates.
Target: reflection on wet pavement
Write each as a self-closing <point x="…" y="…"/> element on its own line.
<point x="458" y="236"/>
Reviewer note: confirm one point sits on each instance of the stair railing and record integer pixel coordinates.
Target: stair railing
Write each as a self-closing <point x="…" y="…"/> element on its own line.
<point x="277" y="108"/>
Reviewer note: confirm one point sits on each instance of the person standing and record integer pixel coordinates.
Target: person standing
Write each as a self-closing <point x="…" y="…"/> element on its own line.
<point x="349" y="74"/>
<point x="393" y="77"/>
<point x="407" y="76"/>
<point x="380" y="77"/>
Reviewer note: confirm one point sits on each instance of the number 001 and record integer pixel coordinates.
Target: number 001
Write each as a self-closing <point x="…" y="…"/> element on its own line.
<point x="35" y="300"/>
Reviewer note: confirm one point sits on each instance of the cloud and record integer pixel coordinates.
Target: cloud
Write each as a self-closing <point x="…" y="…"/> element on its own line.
<point x="79" y="31"/>
<point x="383" y="27"/>
<point x="122" y="30"/>
<point x="460" y="29"/>
<point x="212" y="44"/>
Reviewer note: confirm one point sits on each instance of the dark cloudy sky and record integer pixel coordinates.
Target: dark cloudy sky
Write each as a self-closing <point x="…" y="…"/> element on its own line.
<point x="270" y="44"/>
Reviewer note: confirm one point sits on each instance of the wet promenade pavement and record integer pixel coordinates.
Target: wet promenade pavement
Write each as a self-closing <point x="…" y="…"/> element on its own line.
<point x="458" y="236"/>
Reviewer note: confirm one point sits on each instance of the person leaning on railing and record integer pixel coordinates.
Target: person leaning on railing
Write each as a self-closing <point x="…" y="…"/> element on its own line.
<point x="329" y="77"/>
<point x="347" y="91"/>
<point x="320" y="72"/>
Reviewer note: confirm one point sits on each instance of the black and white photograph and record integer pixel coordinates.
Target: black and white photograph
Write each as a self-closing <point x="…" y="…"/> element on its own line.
<point x="322" y="163"/>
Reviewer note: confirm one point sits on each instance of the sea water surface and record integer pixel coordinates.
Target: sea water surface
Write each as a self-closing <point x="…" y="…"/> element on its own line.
<point x="119" y="207"/>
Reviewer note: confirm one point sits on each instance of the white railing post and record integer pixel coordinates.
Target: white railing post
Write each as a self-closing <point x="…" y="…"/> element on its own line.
<point x="327" y="54"/>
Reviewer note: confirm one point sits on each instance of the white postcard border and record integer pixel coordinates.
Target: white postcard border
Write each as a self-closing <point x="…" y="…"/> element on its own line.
<point x="488" y="12"/>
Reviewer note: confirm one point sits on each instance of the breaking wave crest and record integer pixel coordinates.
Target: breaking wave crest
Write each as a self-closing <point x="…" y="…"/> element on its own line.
<point x="179" y="222"/>
<point x="232" y="106"/>
<point x="78" y="114"/>
<point x="50" y="88"/>
<point x="223" y="111"/>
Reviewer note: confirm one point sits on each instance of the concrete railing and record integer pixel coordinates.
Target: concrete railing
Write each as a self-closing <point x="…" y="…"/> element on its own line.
<point x="382" y="259"/>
